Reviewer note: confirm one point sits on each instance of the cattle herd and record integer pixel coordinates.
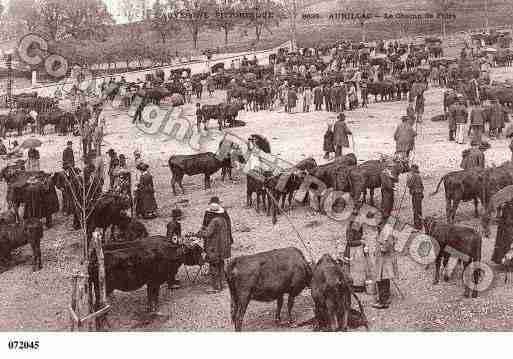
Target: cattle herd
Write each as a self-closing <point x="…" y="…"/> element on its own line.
<point x="387" y="73"/>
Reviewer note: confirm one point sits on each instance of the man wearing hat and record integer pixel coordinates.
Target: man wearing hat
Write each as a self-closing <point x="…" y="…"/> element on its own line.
<point x="416" y="187"/>
<point x="216" y="231"/>
<point x="473" y="157"/>
<point x="410" y="113"/>
<point x="291" y="99"/>
<point x="457" y="118"/>
<point x="68" y="156"/>
<point x="404" y="137"/>
<point x="340" y="134"/>
<point x="477" y="123"/>
<point x="497" y="115"/>
<point x="388" y="181"/>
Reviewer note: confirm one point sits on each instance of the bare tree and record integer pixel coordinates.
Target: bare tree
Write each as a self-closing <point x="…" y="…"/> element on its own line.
<point x="196" y="15"/>
<point x="363" y="10"/>
<point x="442" y="7"/>
<point x="162" y="19"/>
<point x="79" y="19"/>
<point x="263" y="15"/>
<point x="225" y="18"/>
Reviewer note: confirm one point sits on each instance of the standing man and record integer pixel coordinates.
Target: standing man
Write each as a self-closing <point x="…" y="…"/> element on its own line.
<point x="86" y="138"/>
<point x="98" y="138"/>
<point x="363" y="87"/>
<point x="416" y="187"/>
<point x="68" y="157"/>
<point x="385" y="269"/>
<point x="458" y="117"/>
<point x="217" y="244"/>
<point x="404" y="137"/>
<point x="318" y="97"/>
<point x="340" y="134"/>
<point x="419" y="107"/>
<point x="307" y="99"/>
<point x="334" y="98"/>
<point x="410" y="112"/>
<point x="473" y="157"/>
<point x="291" y="99"/>
<point x="199" y="117"/>
<point x="477" y="123"/>
<point x="327" y="98"/>
<point x="496" y="119"/>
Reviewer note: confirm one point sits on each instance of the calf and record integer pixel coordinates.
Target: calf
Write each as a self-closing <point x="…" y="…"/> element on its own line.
<point x="466" y="241"/>
<point x="206" y="163"/>
<point x="151" y="262"/>
<point x="13" y="236"/>
<point x="331" y="293"/>
<point x="265" y="277"/>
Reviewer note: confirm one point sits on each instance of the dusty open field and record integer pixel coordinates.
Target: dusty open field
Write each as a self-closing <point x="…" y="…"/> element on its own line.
<point x="38" y="301"/>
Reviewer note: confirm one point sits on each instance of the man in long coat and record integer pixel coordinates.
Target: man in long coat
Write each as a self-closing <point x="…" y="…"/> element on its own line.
<point x="335" y="105"/>
<point x="327" y="99"/>
<point x="385" y="269"/>
<point x="473" y="157"/>
<point x="291" y="99"/>
<point x="318" y="97"/>
<point x="477" y="123"/>
<point x="404" y="137"/>
<point x="416" y="187"/>
<point x="496" y="118"/>
<point x="217" y="245"/>
<point x="340" y="134"/>
<point x="457" y="118"/>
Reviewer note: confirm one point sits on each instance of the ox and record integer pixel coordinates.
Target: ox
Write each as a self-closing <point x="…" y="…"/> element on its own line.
<point x="466" y="241"/>
<point x="265" y="277"/>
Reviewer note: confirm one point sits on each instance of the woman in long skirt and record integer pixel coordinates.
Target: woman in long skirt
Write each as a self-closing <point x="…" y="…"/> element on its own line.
<point x="146" y="203"/>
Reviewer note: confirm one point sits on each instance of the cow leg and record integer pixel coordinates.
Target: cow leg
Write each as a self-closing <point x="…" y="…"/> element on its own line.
<point x="207" y="181"/>
<point x="371" y="194"/>
<point x="438" y="261"/>
<point x="475" y="275"/>
<point x="320" y="321"/>
<point x="279" y="304"/>
<point x="180" y="179"/>
<point x="331" y="314"/>
<point x="35" y="254"/>
<point x="445" y="263"/>
<point x="466" y="292"/>
<point x="173" y="183"/>
<point x="455" y="205"/>
<point x="448" y="207"/>
<point x="476" y="212"/>
<point x="241" y="311"/>
<point x="290" y="305"/>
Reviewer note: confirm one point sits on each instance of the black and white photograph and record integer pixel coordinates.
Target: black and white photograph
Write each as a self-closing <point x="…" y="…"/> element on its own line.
<point x="256" y="166"/>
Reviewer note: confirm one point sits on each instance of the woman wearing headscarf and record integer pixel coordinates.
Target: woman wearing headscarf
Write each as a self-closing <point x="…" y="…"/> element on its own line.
<point x="33" y="160"/>
<point x="145" y="198"/>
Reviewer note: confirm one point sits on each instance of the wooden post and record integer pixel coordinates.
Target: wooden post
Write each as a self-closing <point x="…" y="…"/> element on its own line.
<point x="101" y="278"/>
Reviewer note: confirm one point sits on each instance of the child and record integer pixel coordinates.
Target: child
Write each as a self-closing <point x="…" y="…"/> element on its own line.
<point x="199" y="117"/>
<point x="328" y="145"/>
<point x="174" y="227"/>
<point x="173" y="234"/>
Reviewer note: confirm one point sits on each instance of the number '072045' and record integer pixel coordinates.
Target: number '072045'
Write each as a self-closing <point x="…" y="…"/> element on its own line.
<point x="23" y="344"/>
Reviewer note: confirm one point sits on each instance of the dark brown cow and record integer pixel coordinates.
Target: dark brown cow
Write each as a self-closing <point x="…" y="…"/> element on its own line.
<point x="265" y="277"/>
<point x="151" y="262"/>
<point x="331" y="293"/>
<point x="460" y="186"/>
<point x="464" y="240"/>
<point x="13" y="236"/>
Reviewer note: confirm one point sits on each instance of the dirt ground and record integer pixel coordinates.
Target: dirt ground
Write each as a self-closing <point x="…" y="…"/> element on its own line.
<point x="38" y="301"/>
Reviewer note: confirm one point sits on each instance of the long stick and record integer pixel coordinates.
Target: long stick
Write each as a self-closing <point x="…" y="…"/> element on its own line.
<point x="309" y="250"/>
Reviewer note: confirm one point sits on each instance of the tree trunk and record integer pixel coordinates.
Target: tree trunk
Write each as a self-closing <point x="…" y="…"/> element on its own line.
<point x="226" y="31"/>
<point x="258" y="32"/>
<point x="195" y="33"/>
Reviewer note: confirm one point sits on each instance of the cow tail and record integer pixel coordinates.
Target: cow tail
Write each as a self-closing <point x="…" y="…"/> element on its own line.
<point x="438" y="186"/>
